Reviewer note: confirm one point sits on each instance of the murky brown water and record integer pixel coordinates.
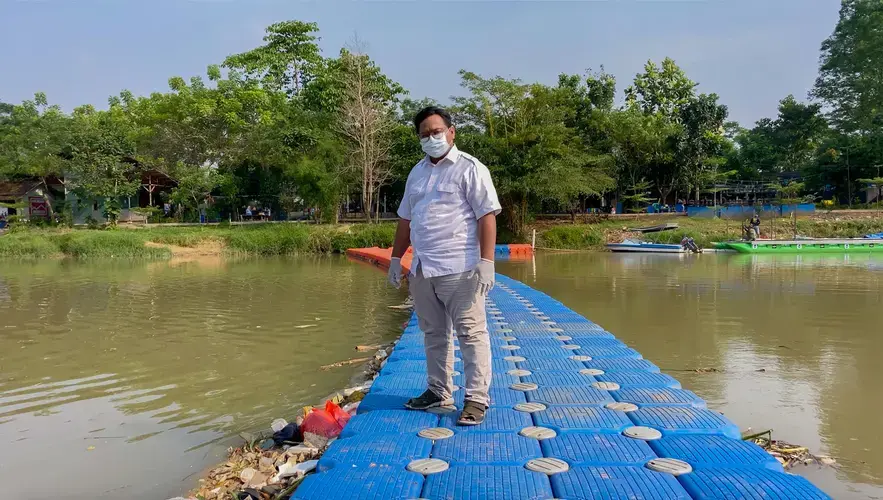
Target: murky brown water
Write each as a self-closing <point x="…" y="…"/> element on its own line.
<point x="158" y="365"/>
<point x="813" y="324"/>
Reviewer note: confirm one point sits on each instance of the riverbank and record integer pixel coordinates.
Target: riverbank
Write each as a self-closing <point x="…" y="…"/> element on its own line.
<point x="158" y="242"/>
<point x="270" y="466"/>
<point x="562" y="236"/>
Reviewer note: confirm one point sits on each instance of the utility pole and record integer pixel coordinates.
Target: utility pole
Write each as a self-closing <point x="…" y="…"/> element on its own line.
<point x="848" y="179"/>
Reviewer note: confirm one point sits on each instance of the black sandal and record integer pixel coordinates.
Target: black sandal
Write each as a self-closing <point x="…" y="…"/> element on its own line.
<point x="473" y="413"/>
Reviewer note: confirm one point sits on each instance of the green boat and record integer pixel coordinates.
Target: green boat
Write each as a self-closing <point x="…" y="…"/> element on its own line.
<point x="810" y="245"/>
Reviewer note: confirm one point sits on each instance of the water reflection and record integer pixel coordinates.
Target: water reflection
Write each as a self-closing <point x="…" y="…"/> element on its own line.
<point x="155" y="365"/>
<point x="798" y="340"/>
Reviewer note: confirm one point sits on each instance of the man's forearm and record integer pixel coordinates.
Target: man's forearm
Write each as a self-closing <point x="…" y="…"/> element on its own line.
<point x="487" y="236"/>
<point x="403" y="238"/>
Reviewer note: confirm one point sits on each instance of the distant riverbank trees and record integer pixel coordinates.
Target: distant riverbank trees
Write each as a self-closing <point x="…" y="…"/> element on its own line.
<point x="286" y="129"/>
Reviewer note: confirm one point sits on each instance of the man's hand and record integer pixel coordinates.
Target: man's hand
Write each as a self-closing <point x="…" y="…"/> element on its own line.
<point x="486" y="276"/>
<point x="395" y="272"/>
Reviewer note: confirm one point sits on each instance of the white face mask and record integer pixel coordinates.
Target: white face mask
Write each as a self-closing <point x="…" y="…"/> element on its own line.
<point x="435" y="146"/>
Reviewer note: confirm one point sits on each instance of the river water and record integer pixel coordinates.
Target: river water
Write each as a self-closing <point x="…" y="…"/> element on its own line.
<point x="128" y="380"/>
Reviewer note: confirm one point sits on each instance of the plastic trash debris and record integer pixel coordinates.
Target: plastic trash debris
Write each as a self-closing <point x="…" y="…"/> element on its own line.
<point x="304" y="468"/>
<point x="246" y="474"/>
<point x="278" y="424"/>
<point x="267" y="444"/>
<point x="321" y="425"/>
<point x="351" y="407"/>
<point x="285" y="470"/>
<point x="359" y="388"/>
<point x="301" y="449"/>
<point x="249" y="494"/>
<point x="272" y="490"/>
<point x="267" y="464"/>
<point x="289" y="469"/>
<point x="258" y="481"/>
<point x="291" y="432"/>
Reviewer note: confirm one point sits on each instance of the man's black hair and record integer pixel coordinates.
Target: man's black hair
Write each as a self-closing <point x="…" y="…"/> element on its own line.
<point x="429" y="111"/>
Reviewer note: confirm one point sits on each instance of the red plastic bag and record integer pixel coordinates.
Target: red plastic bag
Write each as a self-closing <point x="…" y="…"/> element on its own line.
<point x="325" y="423"/>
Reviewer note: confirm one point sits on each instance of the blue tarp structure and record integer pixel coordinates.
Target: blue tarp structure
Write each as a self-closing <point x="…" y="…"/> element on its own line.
<point x="746" y="211"/>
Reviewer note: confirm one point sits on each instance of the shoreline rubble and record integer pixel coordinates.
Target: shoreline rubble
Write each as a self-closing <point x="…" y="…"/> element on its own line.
<point x="263" y="468"/>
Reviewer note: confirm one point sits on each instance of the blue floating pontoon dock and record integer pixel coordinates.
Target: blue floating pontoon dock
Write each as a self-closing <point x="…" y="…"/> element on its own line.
<point x="576" y="414"/>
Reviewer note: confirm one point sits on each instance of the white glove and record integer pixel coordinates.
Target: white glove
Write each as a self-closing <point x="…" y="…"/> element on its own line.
<point x="395" y="272"/>
<point x="486" y="276"/>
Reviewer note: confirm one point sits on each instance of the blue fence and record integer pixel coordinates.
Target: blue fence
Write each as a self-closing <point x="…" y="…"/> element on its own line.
<point x="745" y="211"/>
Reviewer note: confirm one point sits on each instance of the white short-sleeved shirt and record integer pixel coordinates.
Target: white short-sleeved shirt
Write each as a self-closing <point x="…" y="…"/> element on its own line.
<point x="444" y="202"/>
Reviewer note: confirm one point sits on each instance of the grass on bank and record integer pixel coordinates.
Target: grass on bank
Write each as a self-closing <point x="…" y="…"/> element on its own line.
<point x="290" y="239"/>
<point x="704" y="231"/>
<point x="27" y="246"/>
<point x="131" y="243"/>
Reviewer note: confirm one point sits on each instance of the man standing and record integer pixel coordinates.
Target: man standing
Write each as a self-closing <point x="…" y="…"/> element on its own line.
<point x="448" y="214"/>
<point x="755" y="225"/>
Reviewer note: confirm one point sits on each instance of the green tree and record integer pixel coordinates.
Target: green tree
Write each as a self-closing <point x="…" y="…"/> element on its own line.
<point x="101" y="161"/>
<point x="876" y="182"/>
<point x="194" y="187"/>
<point x="800" y="130"/>
<point x="667" y="92"/>
<point x="287" y="61"/>
<point x="519" y="131"/>
<point x="643" y="153"/>
<point x="661" y="89"/>
<point x="33" y="137"/>
<point x="314" y="180"/>
<point x="789" y="192"/>
<point x="850" y="81"/>
<point x="758" y="153"/>
<point x="701" y="141"/>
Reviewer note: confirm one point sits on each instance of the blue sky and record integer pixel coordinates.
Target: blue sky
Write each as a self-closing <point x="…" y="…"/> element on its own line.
<point x="750" y="52"/>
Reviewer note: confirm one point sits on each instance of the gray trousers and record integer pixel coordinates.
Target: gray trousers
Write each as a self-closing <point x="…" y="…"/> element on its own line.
<point x="446" y="305"/>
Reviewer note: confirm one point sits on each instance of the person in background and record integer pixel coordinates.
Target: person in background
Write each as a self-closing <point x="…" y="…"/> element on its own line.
<point x="754" y="223"/>
<point x="448" y="214"/>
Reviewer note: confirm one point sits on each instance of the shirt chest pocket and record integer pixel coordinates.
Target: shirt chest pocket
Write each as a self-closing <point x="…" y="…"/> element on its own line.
<point x="448" y="193"/>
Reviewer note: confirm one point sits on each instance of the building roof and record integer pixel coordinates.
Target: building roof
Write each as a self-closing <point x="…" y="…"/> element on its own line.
<point x="13" y="190"/>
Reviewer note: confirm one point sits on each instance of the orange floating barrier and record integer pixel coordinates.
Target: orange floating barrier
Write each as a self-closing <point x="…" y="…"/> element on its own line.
<point x="380" y="257"/>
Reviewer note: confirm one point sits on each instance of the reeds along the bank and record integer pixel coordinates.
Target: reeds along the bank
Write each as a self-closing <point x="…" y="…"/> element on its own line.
<point x="27" y="246"/>
<point x="295" y="238"/>
<point x="573" y="237"/>
<point x="257" y="240"/>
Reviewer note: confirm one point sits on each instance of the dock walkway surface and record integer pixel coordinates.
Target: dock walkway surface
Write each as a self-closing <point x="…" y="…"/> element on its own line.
<point x="575" y="414"/>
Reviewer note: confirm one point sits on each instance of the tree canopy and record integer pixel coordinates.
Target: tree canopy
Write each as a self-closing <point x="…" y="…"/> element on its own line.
<point x="285" y="127"/>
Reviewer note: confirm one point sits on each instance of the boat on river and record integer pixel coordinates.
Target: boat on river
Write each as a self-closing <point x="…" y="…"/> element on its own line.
<point x="669" y="226"/>
<point x="804" y="246"/>
<point x="645" y="247"/>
